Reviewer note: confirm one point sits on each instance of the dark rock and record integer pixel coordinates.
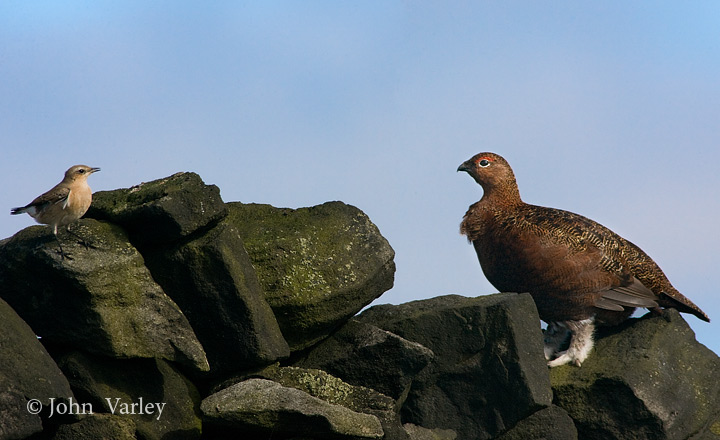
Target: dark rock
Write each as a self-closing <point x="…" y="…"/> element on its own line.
<point x="113" y="386"/>
<point x="263" y="407"/>
<point x="489" y="370"/>
<point x="650" y="379"/>
<point x="213" y="281"/>
<point x="26" y="372"/>
<point x="15" y="420"/>
<point x="363" y="354"/>
<point x="104" y="300"/>
<point x="318" y="266"/>
<point x="419" y="433"/>
<point x="551" y="423"/>
<point x="710" y="432"/>
<point x="98" y="426"/>
<point x="324" y="386"/>
<point x="160" y="211"/>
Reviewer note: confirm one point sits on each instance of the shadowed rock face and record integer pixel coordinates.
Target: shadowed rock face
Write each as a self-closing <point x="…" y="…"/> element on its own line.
<point x="213" y="281"/>
<point x="363" y="354"/>
<point x="97" y="426"/>
<point x="113" y="385"/>
<point x="488" y="371"/>
<point x="551" y="423"/>
<point x="174" y="276"/>
<point x="26" y="372"/>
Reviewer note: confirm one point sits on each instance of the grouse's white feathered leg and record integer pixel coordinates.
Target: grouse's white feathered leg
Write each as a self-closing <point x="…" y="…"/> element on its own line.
<point x="581" y="342"/>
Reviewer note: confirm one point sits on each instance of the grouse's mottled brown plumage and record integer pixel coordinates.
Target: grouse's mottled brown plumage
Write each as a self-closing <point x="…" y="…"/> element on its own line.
<point x="577" y="271"/>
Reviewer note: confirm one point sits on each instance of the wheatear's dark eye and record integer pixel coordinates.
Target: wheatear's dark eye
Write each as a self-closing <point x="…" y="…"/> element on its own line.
<point x="484" y="162"/>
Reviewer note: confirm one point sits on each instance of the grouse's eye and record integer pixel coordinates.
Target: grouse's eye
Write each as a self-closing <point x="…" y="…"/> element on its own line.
<point x="483" y="163"/>
<point x="81" y="171"/>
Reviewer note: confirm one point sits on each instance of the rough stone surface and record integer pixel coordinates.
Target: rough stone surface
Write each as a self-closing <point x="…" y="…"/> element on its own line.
<point x="98" y="426"/>
<point x="213" y="281"/>
<point x="551" y="423"/>
<point x="419" y="433"/>
<point x="26" y="372"/>
<point x="160" y="211"/>
<point x="264" y="407"/>
<point x="318" y="266"/>
<point x="15" y="420"/>
<point x="104" y="300"/>
<point x="489" y="370"/>
<point x="363" y="354"/>
<point x="322" y="385"/>
<point x="650" y="379"/>
<point x="110" y="385"/>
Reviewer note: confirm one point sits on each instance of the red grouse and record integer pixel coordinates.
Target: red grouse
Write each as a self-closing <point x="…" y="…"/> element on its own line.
<point x="578" y="272"/>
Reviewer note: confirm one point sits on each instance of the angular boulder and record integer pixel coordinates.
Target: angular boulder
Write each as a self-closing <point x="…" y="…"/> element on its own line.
<point x="133" y="389"/>
<point x="160" y="211"/>
<point x="647" y="379"/>
<point x="363" y="354"/>
<point x="16" y="422"/>
<point x="103" y="300"/>
<point x="419" y="433"/>
<point x="258" y="408"/>
<point x="551" y="423"/>
<point x="318" y="266"/>
<point x="98" y="426"/>
<point x="322" y="385"/>
<point x="26" y="372"/>
<point x="489" y="370"/>
<point x="213" y="281"/>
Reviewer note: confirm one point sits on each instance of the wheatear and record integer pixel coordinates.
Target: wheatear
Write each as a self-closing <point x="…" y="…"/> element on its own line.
<point x="64" y="204"/>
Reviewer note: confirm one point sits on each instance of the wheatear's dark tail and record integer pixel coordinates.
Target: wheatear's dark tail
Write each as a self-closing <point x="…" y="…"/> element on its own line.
<point x="20" y="210"/>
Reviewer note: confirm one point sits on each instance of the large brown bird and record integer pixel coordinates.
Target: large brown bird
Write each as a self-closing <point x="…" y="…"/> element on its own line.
<point x="578" y="272"/>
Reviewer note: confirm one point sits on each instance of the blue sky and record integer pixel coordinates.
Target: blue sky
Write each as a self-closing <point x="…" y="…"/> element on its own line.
<point x="610" y="110"/>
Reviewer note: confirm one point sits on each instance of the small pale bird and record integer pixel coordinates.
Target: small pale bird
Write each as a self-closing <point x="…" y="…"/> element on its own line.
<point x="578" y="272"/>
<point x="65" y="203"/>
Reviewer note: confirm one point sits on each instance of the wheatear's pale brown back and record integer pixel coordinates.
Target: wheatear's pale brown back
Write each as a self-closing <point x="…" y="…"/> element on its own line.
<point x="65" y="203"/>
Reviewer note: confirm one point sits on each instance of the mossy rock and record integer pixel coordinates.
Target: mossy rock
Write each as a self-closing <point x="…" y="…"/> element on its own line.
<point x="161" y="211"/>
<point x="104" y="300"/>
<point x="647" y="379"/>
<point x="317" y="266"/>
<point x="333" y="390"/>
<point x="261" y="408"/>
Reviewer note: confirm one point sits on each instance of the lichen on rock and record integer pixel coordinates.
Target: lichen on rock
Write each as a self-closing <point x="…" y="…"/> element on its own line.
<point x="317" y="266"/>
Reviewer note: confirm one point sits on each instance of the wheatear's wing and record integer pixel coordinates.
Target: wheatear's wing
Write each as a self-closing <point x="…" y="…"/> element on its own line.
<point x="59" y="194"/>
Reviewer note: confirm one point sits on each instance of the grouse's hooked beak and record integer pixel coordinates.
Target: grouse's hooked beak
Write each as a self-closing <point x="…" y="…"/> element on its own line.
<point x="465" y="167"/>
